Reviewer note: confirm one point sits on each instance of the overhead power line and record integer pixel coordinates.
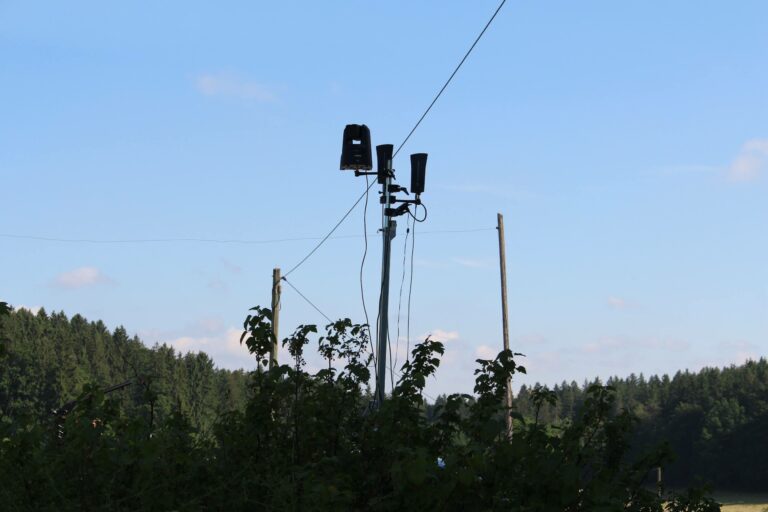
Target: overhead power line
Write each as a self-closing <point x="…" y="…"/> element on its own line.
<point x="450" y="77"/>
<point x="394" y="370"/>
<point x="437" y="96"/>
<point x="326" y="237"/>
<point x="212" y="240"/>
<point x="307" y="300"/>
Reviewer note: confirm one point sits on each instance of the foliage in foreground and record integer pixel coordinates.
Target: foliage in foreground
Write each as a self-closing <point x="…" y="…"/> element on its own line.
<point x="311" y="442"/>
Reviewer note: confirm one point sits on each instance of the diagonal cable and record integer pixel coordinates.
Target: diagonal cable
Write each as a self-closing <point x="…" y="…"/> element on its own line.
<point x="363" y="195"/>
<point x="306" y="299"/>
<point x="450" y="78"/>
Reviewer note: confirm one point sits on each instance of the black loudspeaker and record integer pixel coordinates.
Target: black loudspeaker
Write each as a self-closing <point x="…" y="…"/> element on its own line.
<point x="418" y="172"/>
<point x="383" y="156"/>
<point x="356" y="148"/>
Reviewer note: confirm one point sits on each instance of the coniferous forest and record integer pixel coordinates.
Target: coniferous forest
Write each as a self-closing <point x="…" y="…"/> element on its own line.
<point x="715" y="420"/>
<point x="185" y="435"/>
<point x="50" y="358"/>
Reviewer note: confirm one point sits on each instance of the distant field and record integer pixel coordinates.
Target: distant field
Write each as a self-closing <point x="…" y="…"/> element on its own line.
<point x="743" y="502"/>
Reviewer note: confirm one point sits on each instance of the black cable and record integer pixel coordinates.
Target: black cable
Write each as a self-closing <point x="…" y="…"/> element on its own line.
<point x="414" y="216"/>
<point x="400" y="298"/>
<point x="162" y="240"/>
<point x="410" y="292"/>
<point x="217" y="241"/>
<point x="381" y="288"/>
<point x="306" y="299"/>
<point x="362" y="265"/>
<point x="365" y="253"/>
<point x="365" y="194"/>
<point x="450" y="77"/>
<point x="391" y="370"/>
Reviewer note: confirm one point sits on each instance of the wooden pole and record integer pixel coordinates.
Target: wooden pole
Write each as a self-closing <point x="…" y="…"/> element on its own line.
<point x="504" y="316"/>
<point x="275" y="316"/>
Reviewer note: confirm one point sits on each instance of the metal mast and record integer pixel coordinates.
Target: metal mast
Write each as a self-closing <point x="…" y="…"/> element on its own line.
<point x="388" y="232"/>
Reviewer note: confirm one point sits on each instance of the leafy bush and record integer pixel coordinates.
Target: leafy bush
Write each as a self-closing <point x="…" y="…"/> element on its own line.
<point x="313" y="442"/>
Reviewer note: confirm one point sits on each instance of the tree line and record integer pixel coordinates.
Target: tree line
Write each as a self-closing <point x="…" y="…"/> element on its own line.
<point x="49" y="358"/>
<point x="313" y="441"/>
<point x="715" y="420"/>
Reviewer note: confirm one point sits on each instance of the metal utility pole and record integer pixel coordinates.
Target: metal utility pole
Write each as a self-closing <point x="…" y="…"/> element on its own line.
<point x="388" y="232"/>
<point x="356" y="156"/>
<point x="275" y="316"/>
<point x="659" y="485"/>
<point x="504" y="315"/>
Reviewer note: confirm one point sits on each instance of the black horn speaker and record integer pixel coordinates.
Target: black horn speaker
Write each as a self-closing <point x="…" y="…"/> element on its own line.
<point x="418" y="172"/>
<point x="384" y="159"/>
<point x="356" y="148"/>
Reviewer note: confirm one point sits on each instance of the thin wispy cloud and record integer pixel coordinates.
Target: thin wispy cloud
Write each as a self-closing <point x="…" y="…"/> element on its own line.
<point x="690" y="169"/>
<point x="611" y="344"/>
<point x="231" y="267"/>
<point x="233" y="86"/>
<point x="471" y="263"/>
<point x="506" y="191"/>
<point x="217" y="284"/>
<point x="528" y="340"/>
<point x="448" y="264"/>
<point x="80" y="278"/>
<point x="751" y="162"/>
<point x="617" y="303"/>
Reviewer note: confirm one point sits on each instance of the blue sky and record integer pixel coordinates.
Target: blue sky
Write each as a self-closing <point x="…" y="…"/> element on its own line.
<point x="626" y="145"/>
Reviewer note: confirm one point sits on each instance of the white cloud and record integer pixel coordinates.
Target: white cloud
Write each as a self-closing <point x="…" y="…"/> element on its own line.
<point x="751" y="161"/>
<point x="443" y="336"/>
<point x="542" y="364"/>
<point x="224" y="348"/>
<point x="617" y="303"/>
<point x="486" y="352"/>
<point x="32" y="309"/>
<point x="602" y="345"/>
<point x="209" y="325"/>
<point x="739" y="352"/>
<point x="426" y="263"/>
<point x="81" y="277"/>
<point x="229" y="85"/>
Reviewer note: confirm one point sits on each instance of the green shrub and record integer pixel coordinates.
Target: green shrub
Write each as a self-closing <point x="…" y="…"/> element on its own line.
<point x="313" y="442"/>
